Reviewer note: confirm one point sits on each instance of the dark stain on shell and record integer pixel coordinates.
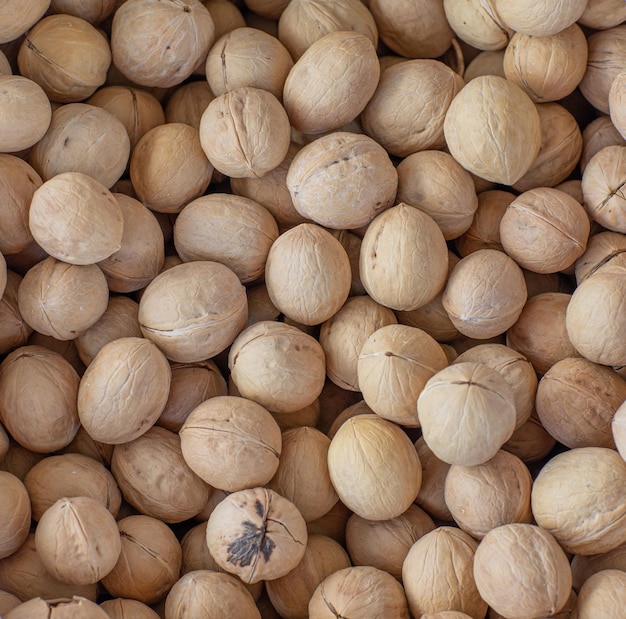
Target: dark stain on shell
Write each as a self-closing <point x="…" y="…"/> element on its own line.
<point x="247" y="546"/>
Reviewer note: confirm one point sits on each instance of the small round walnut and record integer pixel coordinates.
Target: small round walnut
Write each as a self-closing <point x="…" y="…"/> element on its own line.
<point x="70" y="475"/>
<point x="503" y="155"/>
<point x="500" y="302"/>
<point x="245" y="132"/>
<point x="233" y="230"/>
<point x="342" y="337"/>
<point x="188" y="101"/>
<point x="602" y="180"/>
<point x="477" y="24"/>
<point x="141" y="254"/>
<point x="384" y="544"/>
<point x="78" y="540"/>
<point x="193" y="311"/>
<point x="192" y="384"/>
<point x="331" y="83"/>
<point x="74" y="218"/>
<point x="160" y="42"/>
<point x="577" y="497"/>
<point x="21" y="126"/>
<point x="380" y="456"/>
<point x="485" y="63"/>
<point x="67" y="56"/>
<point x="525" y="63"/>
<point x="82" y="138"/>
<point x="539" y="17"/>
<point x="210" y="594"/>
<point x="577" y="401"/>
<point x="483" y="497"/>
<point x="291" y="593"/>
<point x="359" y="592"/>
<point x="393" y="367"/>
<point x="531" y="441"/>
<point x="607" y="55"/>
<point x="435" y="183"/>
<point x="168" y="167"/>
<point x="560" y="150"/>
<point x="596" y="316"/>
<point x="122" y="608"/>
<point x="38" y="390"/>
<point x="305" y="21"/>
<point x="226" y="16"/>
<point x="38" y="608"/>
<point x="342" y="180"/>
<point x="149" y="562"/>
<point x="302" y="475"/>
<point x="467" y="413"/>
<point x="17" y="17"/>
<point x="515" y="368"/>
<point x="437" y="574"/>
<point x="155" y="478"/>
<point x="521" y="571"/>
<point x="137" y="110"/>
<point x="406" y="113"/>
<point x="231" y="443"/>
<point x="404" y="258"/>
<point x="124" y="390"/>
<point x="248" y="57"/>
<point x="257" y="535"/>
<point x="544" y="230"/>
<point x="277" y="365"/>
<point x="308" y="274"/>
<point x="15" y="513"/>
<point x="602" y="596"/>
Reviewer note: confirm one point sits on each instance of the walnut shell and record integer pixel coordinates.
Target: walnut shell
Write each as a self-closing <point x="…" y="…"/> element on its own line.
<point x="394" y="365"/>
<point x="617" y="99"/>
<point x="67" y="56"/>
<point x="384" y="462"/>
<point x="233" y="230"/>
<point x="82" y="138"/>
<point x="160" y="42"/>
<point x="307" y="274"/>
<point x="540" y="17"/>
<point x="94" y="11"/>
<point x="467" y="413"/>
<point x="437" y="574"/>
<point x="149" y="562"/>
<point x="121" y="608"/>
<point x="406" y="113"/>
<point x="602" y="595"/>
<point x="597" y="134"/>
<point x="317" y="104"/>
<point x="278" y="366"/>
<point x="431" y="495"/>
<point x="38" y="390"/>
<point x="358" y="592"/>
<point x="17" y="17"/>
<point x="76" y="219"/>
<point x="194" y="310"/>
<point x="484" y="139"/>
<point x="226" y="16"/>
<point x="577" y="497"/>
<point x="342" y="180"/>
<point x="70" y="475"/>
<point x="531" y="441"/>
<point x="124" y="390"/>
<point x="235" y="132"/>
<point x="168" y="167"/>
<point x="8" y="602"/>
<point x="585" y="566"/>
<point x="78" y="540"/>
<point x="231" y="443"/>
<point x="22" y="125"/>
<point x="511" y="550"/>
<point x="485" y="63"/>
<point x="188" y="101"/>
<point x="15" y="513"/>
<point x="38" y="608"/>
<point x="477" y="24"/>
<point x="256" y="534"/>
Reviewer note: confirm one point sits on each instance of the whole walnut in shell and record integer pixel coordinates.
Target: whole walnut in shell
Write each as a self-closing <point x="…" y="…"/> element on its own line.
<point x="232" y="443"/>
<point x="539" y="17"/>
<point x="381" y="457"/>
<point x="602" y="595"/>
<point x="78" y="540"/>
<point x="256" y="534"/>
<point x="597" y="134"/>
<point x="307" y="274"/>
<point x="160" y="42"/>
<point x="477" y="23"/>
<point x="17" y="17"/>
<point x="124" y="608"/>
<point x="484" y="138"/>
<point x="38" y="608"/>
<point x="188" y="101"/>
<point x="359" y="592"/>
<point x="331" y="83"/>
<point x="67" y="56"/>
<point x="194" y="310"/>
<point x="509" y="551"/>
<point x="15" y="513"/>
<point x="124" y="390"/>
<point x="93" y="11"/>
<point x="467" y="413"/>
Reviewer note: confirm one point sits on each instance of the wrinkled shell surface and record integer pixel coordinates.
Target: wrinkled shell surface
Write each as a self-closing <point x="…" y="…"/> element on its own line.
<point x="38" y="608"/>
<point x="374" y="467"/>
<point x="17" y="17"/>
<point x="15" y="513"/>
<point x="602" y="248"/>
<point x="602" y="596"/>
<point x="540" y="17"/>
<point x="434" y="471"/>
<point x="477" y="23"/>
<point x="121" y="608"/>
